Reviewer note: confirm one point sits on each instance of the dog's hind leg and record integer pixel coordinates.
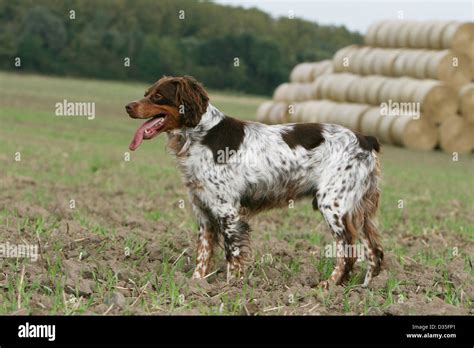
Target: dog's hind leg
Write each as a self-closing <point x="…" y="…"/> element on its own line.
<point x="236" y="245"/>
<point x="235" y="232"/>
<point x="374" y="251"/>
<point x="345" y="232"/>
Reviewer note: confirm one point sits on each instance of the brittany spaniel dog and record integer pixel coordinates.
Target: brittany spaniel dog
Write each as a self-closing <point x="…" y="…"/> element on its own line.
<point x="234" y="169"/>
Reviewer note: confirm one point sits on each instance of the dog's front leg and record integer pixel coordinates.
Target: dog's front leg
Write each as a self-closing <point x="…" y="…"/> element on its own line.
<point x="205" y="247"/>
<point x="207" y="238"/>
<point x="236" y="243"/>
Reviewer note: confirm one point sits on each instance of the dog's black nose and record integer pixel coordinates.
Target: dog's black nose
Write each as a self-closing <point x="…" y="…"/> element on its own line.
<point x="129" y="107"/>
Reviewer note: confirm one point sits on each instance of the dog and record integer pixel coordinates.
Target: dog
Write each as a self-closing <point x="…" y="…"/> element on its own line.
<point x="234" y="169"/>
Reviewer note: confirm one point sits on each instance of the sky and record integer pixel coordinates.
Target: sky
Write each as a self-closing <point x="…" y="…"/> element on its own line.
<point x="359" y="14"/>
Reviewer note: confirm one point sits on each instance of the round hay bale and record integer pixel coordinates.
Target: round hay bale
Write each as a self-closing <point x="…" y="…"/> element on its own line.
<point x="389" y="62"/>
<point x="330" y="85"/>
<point x="359" y="91"/>
<point x="393" y="32"/>
<point x="371" y="58"/>
<point x="350" y="115"/>
<point x="383" y="130"/>
<point x="411" y="62"/>
<point x="436" y="100"/>
<point x="311" y="111"/>
<point x="358" y="59"/>
<point x="401" y="85"/>
<point x="409" y="89"/>
<point x="294" y="74"/>
<point x="386" y="92"/>
<point x="339" y="114"/>
<point x="414" y="133"/>
<point x="436" y="35"/>
<point x="303" y="113"/>
<point x="340" y="87"/>
<point x="376" y="62"/>
<point x="460" y="38"/>
<point x="281" y="92"/>
<point x="382" y="34"/>
<point x="375" y="84"/>
<point x="342" y="56"/>
<point x="454" y="69"/>
<point x="293" y="92"/>
<point x="298" y="92"/>
<point x="466" y="102"/>
<point x="370" y="37"/>
<point x="414" y="32"/>
<point x="306" y="91"/>
<point x="456" y="135"/>
<point x="278" y="113"/>
<point x="421" y="62"/>
<point x="301" y="73"/>
<point x="370" y="121"/>
<point x="353" y="90"/>
<point x="399" y="64"/>
<point x="402" y="34"/>
<point x="326" y="112"/>
<point x="263" y="111"/>
<point x="316" y="89"/>
<point x="321" y="68"/>
<point x="422" y="38"/>
<point x="396" y="89"/>
<point x="324" y="86"/>
<point x="390" y="93"/>
<point x="295" y="111"/>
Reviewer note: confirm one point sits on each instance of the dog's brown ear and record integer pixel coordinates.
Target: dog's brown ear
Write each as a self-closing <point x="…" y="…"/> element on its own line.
<point x="192" y="100"/>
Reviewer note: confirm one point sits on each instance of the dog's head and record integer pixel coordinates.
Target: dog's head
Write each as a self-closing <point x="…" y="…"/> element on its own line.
<point x="171" y="103"/>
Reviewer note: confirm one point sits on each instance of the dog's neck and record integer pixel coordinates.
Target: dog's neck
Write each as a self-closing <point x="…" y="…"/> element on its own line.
<point x="180" y="140"/>
<point x="209" y="119"/>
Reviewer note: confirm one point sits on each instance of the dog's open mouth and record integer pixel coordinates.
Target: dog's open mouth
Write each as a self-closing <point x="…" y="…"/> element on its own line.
<point x="148" y="130"/>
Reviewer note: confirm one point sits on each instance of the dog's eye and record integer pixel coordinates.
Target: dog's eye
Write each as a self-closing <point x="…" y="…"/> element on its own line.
<point x="158" y="96"/>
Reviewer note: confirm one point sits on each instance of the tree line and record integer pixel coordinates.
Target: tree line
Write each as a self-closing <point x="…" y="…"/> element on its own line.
<point x="226" y="47"/>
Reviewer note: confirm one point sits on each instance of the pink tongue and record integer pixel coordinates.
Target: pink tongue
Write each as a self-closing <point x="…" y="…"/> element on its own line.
<point x="138" y="137"/>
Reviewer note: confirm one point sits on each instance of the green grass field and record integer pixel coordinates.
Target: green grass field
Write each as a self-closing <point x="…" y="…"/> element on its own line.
<point x="115" y="237"/>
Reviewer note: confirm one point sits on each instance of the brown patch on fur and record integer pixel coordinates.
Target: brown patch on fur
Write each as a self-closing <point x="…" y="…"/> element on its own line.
<point x="226" y="136"/>
<point x="368" y="142"/>
<point x="308" y="135"/>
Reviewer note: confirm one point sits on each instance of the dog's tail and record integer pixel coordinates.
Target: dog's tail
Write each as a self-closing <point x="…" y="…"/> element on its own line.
<point x="373" y="142"/>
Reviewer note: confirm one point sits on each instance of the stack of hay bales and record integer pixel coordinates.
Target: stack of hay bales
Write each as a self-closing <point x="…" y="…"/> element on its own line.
<point x="420" y="70"/>
<point x="453" y="69"/>
<point x="436" y="100"/>
<point x="297" y="90"/>
<point x="436" y="35"/>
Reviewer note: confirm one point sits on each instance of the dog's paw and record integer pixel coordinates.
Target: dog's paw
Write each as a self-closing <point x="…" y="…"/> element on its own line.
<point x="324" y="284"/>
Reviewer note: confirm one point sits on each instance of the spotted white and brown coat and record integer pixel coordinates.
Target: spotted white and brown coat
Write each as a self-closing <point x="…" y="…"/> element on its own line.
<point x="234" y="169"/>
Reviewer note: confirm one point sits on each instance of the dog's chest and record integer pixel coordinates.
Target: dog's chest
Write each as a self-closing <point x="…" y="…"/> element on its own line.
<point x="197" y="167"/>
